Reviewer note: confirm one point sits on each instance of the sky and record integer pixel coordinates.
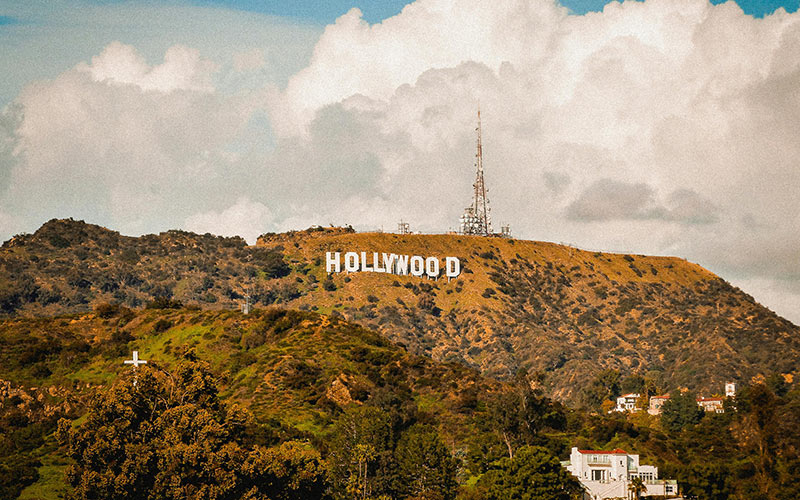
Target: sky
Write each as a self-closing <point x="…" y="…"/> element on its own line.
<point x="665" y="127"/>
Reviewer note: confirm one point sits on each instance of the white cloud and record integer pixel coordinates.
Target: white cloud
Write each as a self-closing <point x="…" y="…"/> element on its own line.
<point x="51" y="36"/>
<point x="656" y="126"/>
<point x="182" y="69"/>
<point x="132" y="146"/>
<point x="664" y="126"/>
<point x="353" y="57"/>
<point x="245" y="218"/>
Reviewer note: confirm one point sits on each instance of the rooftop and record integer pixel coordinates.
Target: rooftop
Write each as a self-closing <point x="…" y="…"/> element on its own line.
<point x="600" y="452"/>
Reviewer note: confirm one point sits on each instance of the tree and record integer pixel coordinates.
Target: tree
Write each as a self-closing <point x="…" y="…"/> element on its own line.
<point x="360" y="460"/>
<point x="607" y="406"/>
<point x="637" y="487"/>
<point x="286" y="472"/>
<point x="709" y="481"/>
<point x="606" y="385"/>
<point x="21" y="433"/>
<point x="761" y="425"/>
<point x="633" y="383"/>
<point x="533" y="474"/>
<point x="520" y="414"/>
<point x="327" y="284"/>
<point x="679" y="411"/>
<point x="273" y="264"/>
<point x="427" y="470"/>
<point x="777" y="384"/>
<point x="170" y="437"/>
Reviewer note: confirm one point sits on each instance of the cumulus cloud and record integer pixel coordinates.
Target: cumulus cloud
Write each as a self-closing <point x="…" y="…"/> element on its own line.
<point x="182" y="69"/>
<point x="663" y="126"/>
<point x="120" y="143"/>
<point x="244" y="218"/>
<point x="353" y="57"/>
<point x="654" y="126"/>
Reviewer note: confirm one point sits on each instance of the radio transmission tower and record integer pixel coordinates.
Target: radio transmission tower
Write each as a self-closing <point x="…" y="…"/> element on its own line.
<point x="476" y="216"/>
<point x="403" y="227"/>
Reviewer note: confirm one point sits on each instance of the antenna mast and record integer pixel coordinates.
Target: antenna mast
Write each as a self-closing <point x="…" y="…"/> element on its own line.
<point x="476" y="217"/>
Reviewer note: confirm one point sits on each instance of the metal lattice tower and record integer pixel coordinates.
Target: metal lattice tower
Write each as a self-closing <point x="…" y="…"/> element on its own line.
<point x="476" y="218"/>
<point x="403" y="227"/>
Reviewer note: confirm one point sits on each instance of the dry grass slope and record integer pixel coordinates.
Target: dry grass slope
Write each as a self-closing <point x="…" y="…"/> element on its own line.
<point x="552" y="308"/>
<point x="549" y="308"/>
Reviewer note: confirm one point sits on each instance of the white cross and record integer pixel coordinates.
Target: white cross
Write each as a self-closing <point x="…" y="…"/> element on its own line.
<point x="135" y="361"/>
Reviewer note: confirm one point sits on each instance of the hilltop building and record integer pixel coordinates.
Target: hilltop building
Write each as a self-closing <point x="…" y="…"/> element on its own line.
<point x="711" y="404"/>
<point x="606" y="474"/>
<point x="627" y="402"/>
<point x="715" y="405"/>
<point x="656" y="402"/>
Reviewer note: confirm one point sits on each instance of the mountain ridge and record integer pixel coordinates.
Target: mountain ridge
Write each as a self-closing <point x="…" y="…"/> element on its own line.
<point x="564" y="312"/>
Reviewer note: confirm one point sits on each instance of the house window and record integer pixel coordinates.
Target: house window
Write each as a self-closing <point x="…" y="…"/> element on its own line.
<point x="598" y="475"/>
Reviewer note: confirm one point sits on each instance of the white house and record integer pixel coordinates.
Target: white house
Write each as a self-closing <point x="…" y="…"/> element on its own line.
<point x="607" y="474"/>
<point x="656" y="402"/>
<point x="711" y="404"/>
<point x="627" y="402"/>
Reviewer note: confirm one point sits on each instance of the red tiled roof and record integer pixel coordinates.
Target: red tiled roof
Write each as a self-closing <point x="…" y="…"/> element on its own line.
<point x="710" y="399"/>
<point x="597" y="452"/>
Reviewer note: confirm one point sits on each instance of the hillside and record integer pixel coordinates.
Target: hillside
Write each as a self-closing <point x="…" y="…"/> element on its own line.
<point x="548" y="308"/>
<point x="277" y="362"/>
<point x="555" y="309"/>
<point x="294" y="371"/>
<point x="302" y="376"/>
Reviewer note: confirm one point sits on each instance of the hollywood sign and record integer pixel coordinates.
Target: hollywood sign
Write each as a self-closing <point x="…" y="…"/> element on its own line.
<point x="391" y="263"/>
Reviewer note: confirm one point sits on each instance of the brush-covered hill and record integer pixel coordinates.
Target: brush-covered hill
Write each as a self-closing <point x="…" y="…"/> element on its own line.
<point x="295" y="372"/>
<point x="285" y="364"/>
<point x="548" y="308"/>
<point x="308" y="378"/>
<point x="555" y="309"/>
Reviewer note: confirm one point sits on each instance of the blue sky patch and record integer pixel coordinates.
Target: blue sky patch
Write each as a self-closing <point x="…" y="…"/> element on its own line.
<point x="317" y="11"/>
<point x="374" y="11"/>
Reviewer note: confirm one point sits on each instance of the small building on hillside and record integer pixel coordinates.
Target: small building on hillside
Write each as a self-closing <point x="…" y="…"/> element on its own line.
<point x="607" y="474"/>
<point x="627" y="402"/>
<point x="711" y="404"/>
<point x="656" y="402"/>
